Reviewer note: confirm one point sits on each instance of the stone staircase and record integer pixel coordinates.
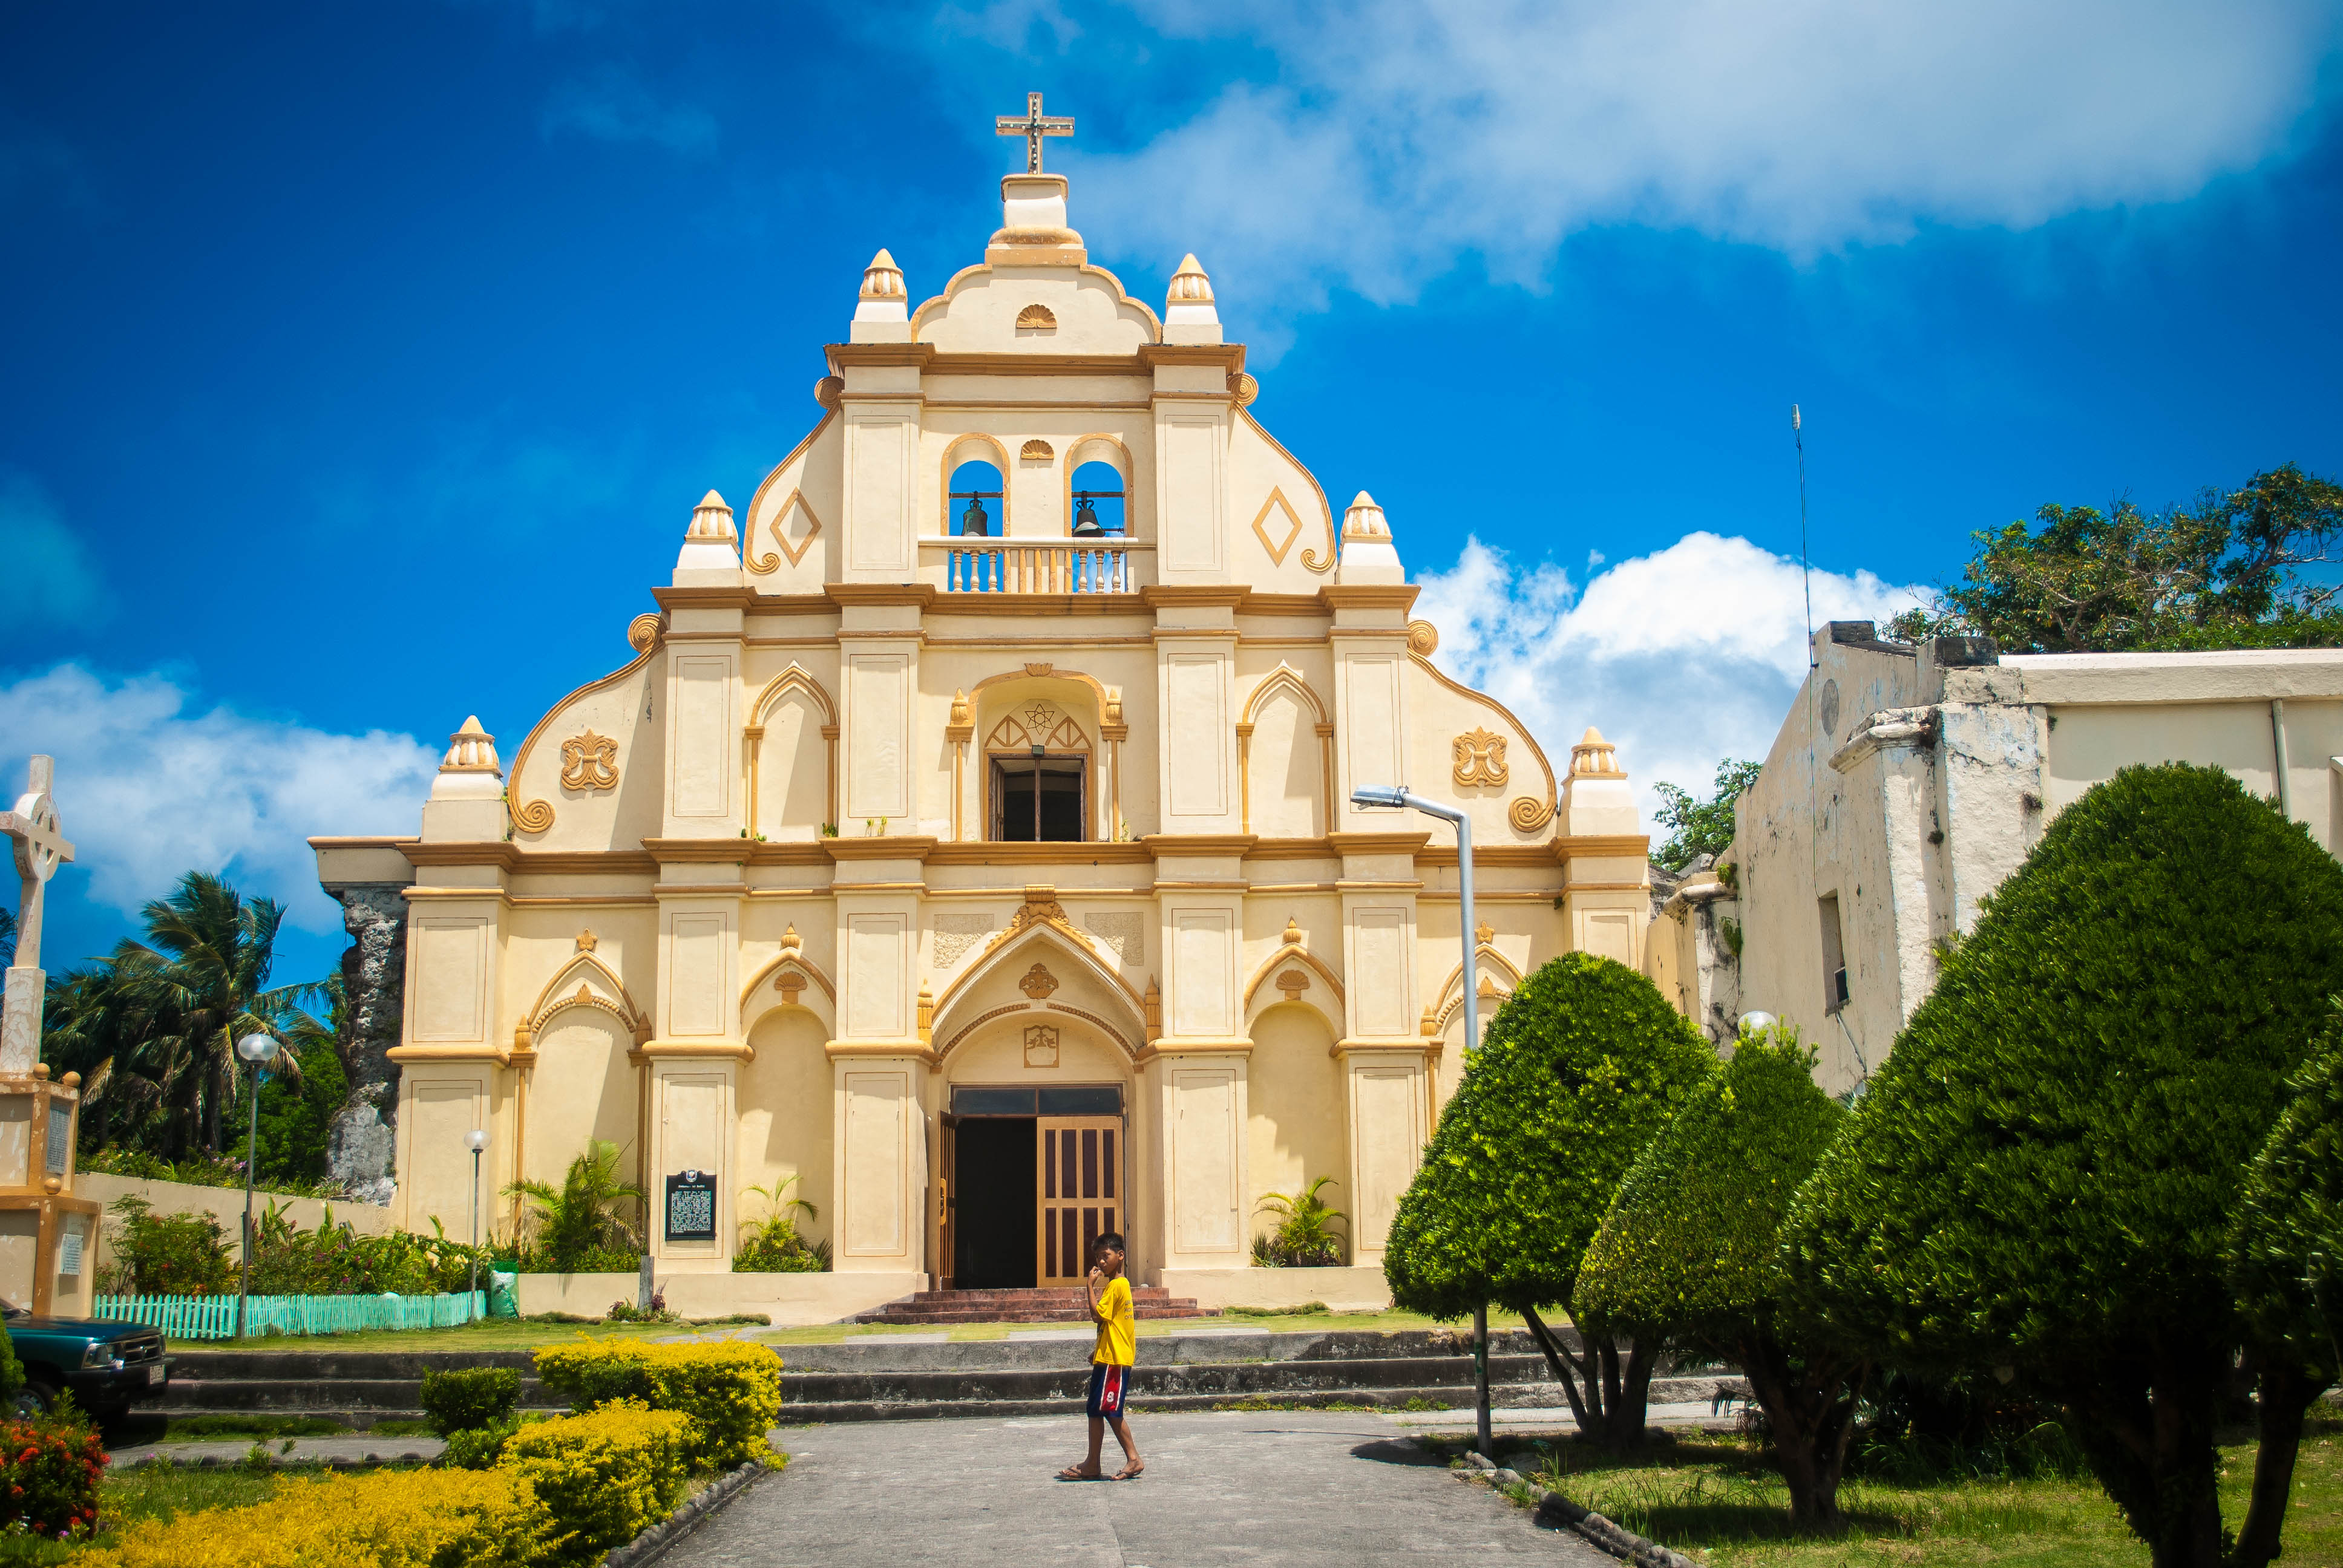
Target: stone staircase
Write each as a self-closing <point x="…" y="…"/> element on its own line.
<point x="886" y="1378"/>
<point x="357" y="1390"/>
<point x="1066" y="1305"/>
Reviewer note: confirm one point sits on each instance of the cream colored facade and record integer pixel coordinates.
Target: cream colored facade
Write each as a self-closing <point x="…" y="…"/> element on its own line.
<point x="1906" y="783"/>
<point x="645" y="929"/>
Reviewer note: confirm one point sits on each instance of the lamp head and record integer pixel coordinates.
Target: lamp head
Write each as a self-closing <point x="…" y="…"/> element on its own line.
<point x="1757" y="1022"/>
<point x="1391" y="795"/>
<point x="260" y="1049"/>
<point x="476" y="1140"/>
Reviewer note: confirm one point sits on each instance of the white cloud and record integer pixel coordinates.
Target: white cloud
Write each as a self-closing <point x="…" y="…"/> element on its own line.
<point x="1681" y="657"/>
<point x="1399" y="135"/>
<point x="51" y="579"/>
<point x="148" y="789"/>
<point x="611" y="106"/>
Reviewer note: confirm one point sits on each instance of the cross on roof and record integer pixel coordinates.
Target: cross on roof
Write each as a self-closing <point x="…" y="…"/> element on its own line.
<point x="1032" y="127"/>
<point x="40" y="847"/>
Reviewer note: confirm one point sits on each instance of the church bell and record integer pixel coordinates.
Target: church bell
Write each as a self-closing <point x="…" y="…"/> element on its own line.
<point x="1086" y="523"/>
<point x="974" y="522"/>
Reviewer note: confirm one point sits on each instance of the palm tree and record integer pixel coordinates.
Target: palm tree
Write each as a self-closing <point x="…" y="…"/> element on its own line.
<point x="587" y="1214"/>
<point x="1304" y="1237"/>
<point x="205" y="983"/>
<point x="7" y="939"/>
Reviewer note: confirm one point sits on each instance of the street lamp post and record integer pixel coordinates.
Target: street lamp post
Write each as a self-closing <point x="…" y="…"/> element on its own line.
<point x="1397" y="796"/>
<point x="260" y="1049"/>
<point x="478" y="1142"/>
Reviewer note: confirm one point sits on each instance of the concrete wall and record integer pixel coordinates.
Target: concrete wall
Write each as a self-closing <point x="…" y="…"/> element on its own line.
<point x="1910" y="787"/>
<point x="227" y="1202"/>
<point x="791" y="1300"/>
<point x="1347" y="1289"/>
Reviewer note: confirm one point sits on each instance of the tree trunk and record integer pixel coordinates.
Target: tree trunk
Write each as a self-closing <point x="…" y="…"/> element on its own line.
<point x="2147" y="1428"/>
<point x="1606" y="1399"/>
<point x="212" y="1090"/>
<point x="1812" y="1409"/>
<point x="2286" y="1390"/>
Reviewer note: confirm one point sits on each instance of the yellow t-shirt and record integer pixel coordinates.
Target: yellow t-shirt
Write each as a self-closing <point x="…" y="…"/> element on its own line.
<point x="1118" y="1337"/>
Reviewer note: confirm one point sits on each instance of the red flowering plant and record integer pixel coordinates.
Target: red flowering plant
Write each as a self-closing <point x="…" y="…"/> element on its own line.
<point x="49" y="1471"/>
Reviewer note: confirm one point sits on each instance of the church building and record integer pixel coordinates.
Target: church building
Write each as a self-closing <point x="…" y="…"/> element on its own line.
<point x="968" y="838"/>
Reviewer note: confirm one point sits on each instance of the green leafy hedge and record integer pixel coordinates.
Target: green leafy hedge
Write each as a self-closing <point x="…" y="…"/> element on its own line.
<point x="1581" y="1066"/>
<point x="1688" y="1252"/>
<point x="2044" y="1173"/>
<point x="2288" y="1251"/>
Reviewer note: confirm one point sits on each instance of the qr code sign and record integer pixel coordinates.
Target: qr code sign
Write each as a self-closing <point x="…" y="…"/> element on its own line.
<point x="691" y="1211"/>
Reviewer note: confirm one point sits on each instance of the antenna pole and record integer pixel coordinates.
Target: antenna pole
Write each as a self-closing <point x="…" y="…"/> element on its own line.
<point x="1797" y="434"/>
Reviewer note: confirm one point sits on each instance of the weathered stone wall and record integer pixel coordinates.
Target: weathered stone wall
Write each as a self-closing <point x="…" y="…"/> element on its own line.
<point x="359" y="1148"/>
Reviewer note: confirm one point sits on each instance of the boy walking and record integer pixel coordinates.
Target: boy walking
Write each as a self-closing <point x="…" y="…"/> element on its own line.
<point x="1108" y="1296"/>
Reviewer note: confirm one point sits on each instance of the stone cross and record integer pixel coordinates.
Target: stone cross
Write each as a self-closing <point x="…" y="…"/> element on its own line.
<point x="32" y="829"/>
<point x="1032" y="127"/>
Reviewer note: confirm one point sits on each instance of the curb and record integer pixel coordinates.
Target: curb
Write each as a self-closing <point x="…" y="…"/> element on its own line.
<point x="285" y="1462"/>
<point x="655" y="1539"/>
<point x="1555" y="1511"/>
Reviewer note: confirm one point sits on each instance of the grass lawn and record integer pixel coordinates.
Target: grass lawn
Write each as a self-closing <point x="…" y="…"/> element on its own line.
<point x="147" y="1491"/>
<point x="1712" y="1498"/>
<point x="491" y="1334"/>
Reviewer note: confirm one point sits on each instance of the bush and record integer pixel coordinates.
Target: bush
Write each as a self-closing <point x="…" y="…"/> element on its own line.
<point x="605" y="1475"/>
<point x="2042" y="1175"/>
<point x="12" y="1371"/>
<point x="1687" y="1254"/>
<point x="773" y="1245"/>
<point x="732" y="1391"/>
<point x="334" y="1260"/>
<point x="49" y="1471"/>
<point x="1305" y="1236"/>
<point x="170" y="1254"/>
<point x="1582" y="1064"/>
<point x="464" y="1399"/>
<point x="480" y="1447"/>
<point x="581" y="1227"/>
<point x="197" y="1169"/>
<point x="390" y="1519"/>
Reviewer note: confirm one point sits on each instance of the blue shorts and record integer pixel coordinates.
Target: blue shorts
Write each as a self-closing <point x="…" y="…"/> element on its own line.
<point x="1106" y="1390"/>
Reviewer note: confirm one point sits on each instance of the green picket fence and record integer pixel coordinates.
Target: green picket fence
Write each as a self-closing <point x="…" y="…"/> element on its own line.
<point x="214" y="1317"/>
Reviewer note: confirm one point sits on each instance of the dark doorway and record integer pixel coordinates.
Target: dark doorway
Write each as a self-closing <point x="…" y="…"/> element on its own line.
<point x="1037" y="799"/>
<point x="992" y="1204"/>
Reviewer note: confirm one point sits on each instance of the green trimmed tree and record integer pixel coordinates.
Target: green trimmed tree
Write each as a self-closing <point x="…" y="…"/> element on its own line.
<point x="2288" y="1264"/>
<point x="2042" y="1180"/>
<point x="1688" y="1255"/>
<point x="1580" y="1068"/>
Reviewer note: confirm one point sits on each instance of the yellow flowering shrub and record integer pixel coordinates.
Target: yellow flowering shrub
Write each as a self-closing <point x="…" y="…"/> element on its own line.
<point x="605" y="1475"/>
<point x="388" y="1519"/>
<point x="731" y="1390"/>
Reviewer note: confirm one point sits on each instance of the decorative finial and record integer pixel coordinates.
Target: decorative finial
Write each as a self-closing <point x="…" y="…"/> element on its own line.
<point x="1190" y="285"/>
<point x="1594" y="758"/>
<point x="586" y="941"/>
<point x="1484" y="933"/>
<point x="1292" y="931"/>
<point x="882" y="279"/>
<point x="960" y="714"/>
<point x="790" y="941"/>
<point x="471" y="749"/>
<point x="1364" y="519"/>
<point x="711" y="522"/>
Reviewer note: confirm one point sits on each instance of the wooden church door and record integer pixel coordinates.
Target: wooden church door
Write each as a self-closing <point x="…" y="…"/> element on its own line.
<point x="1077" y="1192"/>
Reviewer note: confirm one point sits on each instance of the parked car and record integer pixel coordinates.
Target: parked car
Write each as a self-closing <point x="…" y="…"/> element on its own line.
<point x="107" y="1367"/>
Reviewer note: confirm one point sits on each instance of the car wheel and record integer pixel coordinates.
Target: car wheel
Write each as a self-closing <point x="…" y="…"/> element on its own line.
<point x="35" y="1398"/>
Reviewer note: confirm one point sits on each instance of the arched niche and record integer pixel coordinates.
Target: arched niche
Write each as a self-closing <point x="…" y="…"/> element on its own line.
<point x="1058" y="795"/>
<point x="787" y="1114"/>
<point x="582" y="1088"/>
<point x="792" y="733"/>
<point x="1285" y="759"/>
<point x="1295" y="1118"/>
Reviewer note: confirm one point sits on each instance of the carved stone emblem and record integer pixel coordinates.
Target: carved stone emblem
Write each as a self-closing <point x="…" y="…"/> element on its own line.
<point x="790" y="984"/>
<point x="1293" y="983"/>
<point x="589" y="761"/>
<point x="1037" y="983"/>
<point x="1041" y="1045"/>
<point x="585" y="941"/>
<point x="1479" y="757"/>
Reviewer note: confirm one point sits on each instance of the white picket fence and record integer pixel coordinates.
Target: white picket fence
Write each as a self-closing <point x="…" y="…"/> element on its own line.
<point x="214" y="1317"/>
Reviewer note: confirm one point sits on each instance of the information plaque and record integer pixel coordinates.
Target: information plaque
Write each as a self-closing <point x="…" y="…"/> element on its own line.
<point x="691" y="1206"/>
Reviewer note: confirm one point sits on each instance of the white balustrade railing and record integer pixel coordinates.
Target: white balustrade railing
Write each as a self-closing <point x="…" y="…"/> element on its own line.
<point x="1014" y="565"/>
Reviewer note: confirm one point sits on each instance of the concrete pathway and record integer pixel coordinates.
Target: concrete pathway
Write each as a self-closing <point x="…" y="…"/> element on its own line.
<point x="1296" y="1489"/>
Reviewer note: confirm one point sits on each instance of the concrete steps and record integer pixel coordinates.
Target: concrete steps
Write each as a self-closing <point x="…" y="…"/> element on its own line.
<point x="886" y="1377"/>
<point x="1068" y="1305"/>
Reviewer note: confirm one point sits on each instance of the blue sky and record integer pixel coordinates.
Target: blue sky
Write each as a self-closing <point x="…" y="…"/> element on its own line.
<point x="335" y="322"/>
